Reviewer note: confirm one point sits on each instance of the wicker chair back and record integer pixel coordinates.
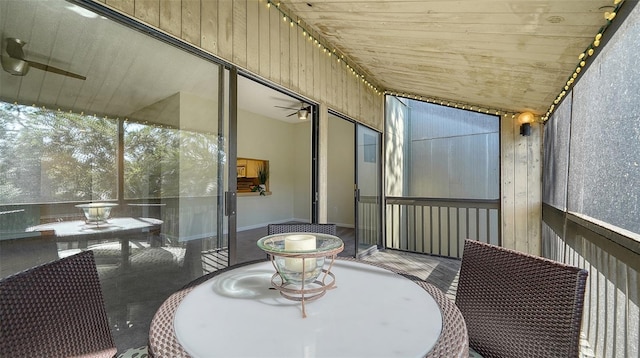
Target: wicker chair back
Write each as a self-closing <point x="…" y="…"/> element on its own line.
<point x="55" y="310"/>
<point x="329" y="229"/>
<point x="519" y="305"/>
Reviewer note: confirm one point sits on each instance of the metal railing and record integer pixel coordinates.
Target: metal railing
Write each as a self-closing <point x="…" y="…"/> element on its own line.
<point x="611" y="318"/>
<point x="439" y="226"/>
<point x="369" y="220"/>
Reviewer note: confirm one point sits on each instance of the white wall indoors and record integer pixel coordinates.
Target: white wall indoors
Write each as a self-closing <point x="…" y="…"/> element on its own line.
<point x="301" y="168"/>
<point x="287" y="147"/>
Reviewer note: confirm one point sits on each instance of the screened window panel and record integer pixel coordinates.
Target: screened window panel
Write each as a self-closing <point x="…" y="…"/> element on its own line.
<point x="453" y="153"/>
<point x="604" y="172"/>
<point x="397" y="137"/>
<point x="50" y="156"/>
<point x="556" y="156"/>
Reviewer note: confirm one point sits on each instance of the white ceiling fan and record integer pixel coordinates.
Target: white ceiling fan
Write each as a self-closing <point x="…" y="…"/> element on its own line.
<point x="15" y="63"/>
<point x="302" y="112"/>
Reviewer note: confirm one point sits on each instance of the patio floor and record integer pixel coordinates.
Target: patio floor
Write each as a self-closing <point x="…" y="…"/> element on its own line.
<point x="440" y="271"/>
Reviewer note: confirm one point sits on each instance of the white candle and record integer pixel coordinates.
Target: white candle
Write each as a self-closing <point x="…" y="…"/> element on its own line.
<point x="299" y="243"/>
<point x="96" y="211"/>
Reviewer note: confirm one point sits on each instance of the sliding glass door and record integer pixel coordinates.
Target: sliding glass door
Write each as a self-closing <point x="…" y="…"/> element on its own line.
<point x="353" y="181"/>
<point x="138" y="125"/>
<point x="368" y="189"/>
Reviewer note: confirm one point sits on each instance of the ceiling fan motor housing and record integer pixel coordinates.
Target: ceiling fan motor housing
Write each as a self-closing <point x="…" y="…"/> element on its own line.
<point x="15" y="66"/>
<point x="15" y="63"/>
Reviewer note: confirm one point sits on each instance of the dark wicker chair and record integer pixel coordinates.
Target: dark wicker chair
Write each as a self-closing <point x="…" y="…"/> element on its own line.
<point x="519" y="305"/>
<point x="55" y="310"/>
<point x="27" y="250"/>
<point x="329" y="229"/>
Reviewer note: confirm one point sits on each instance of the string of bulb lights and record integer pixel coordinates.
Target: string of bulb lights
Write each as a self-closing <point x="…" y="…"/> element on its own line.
<point x="60" y="111"/>
<point x="331" y="52"/>
<point x="340" y="58"/>
<point x="583" y="57"/>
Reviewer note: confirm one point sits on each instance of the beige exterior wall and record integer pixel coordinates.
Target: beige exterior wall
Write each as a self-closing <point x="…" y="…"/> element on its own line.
<point x="255" y="38"/>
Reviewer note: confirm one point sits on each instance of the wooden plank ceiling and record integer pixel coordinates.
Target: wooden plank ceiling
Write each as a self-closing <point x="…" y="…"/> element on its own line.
<point x="512" y="55"/>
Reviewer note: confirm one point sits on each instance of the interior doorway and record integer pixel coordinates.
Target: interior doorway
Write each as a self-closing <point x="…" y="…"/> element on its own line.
<point x="274" y="132"/>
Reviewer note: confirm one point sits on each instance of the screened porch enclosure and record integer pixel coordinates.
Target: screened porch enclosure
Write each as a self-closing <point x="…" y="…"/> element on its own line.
<point x="443" y="172"/>
<point x="591" y="181"/>
<point x="146" y="130"/>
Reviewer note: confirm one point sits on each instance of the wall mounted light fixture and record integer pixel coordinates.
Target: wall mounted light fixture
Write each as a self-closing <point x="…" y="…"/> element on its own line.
<point x="525" y="119"/>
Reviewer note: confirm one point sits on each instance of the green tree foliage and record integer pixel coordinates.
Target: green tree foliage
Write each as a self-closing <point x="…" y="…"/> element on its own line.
<point x="54" y="156"/>
<point x="164" y="162"/>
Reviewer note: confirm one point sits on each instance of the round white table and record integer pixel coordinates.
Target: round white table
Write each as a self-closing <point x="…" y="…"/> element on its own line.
<point x="372" y="312"/>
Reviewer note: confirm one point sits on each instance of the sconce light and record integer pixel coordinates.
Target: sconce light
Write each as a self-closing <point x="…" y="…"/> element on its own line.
<point x="525" y="119"/>
<point x="303" y="114"/>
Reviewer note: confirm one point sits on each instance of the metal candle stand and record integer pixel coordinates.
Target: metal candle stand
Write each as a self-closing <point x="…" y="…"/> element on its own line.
<point x="303" y="291"/>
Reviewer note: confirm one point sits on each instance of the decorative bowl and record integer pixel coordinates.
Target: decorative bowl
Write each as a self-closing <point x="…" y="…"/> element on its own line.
<point x="96" y="213"/>
<point x="300" y="257"/>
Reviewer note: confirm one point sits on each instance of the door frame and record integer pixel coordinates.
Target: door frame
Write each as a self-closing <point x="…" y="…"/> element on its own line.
<point x="379" y="170"/>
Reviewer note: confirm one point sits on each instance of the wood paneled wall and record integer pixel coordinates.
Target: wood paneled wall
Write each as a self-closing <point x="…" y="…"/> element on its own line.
<point x="253" y="37"/>
<point x="521" y="186"/>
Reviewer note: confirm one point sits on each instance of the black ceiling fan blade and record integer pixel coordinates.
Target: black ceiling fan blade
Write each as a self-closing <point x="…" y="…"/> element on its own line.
<point x="14" y="48"/>
<point x="289" y="115"/>
<point x="42" y="66"/>
<point x="286" y="107"/>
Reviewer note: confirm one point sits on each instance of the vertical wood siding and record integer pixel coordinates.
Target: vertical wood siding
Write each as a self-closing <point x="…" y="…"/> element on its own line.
<point x="521" y="186"/>
<point x="254" y="37"/>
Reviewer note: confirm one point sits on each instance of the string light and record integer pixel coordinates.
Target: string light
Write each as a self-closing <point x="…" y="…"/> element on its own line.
<point x="326" y="49"/>
<point x="609" y="16"/>
<point x="458" y="105"/>
<point x="341" y="58"/>
<point x="96" y="116"/>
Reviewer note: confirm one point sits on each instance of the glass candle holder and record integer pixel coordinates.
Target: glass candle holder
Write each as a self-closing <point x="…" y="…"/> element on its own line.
<point x="96" y="213"/>
<point x="299" y="260"/>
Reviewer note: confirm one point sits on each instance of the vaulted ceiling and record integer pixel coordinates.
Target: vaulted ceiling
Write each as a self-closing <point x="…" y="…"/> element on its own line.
<point x="512" y="55"/>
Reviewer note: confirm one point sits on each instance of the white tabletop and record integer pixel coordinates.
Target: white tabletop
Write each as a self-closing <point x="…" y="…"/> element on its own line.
<point x="79" y="228"/>
<point x="371" y="313"/>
